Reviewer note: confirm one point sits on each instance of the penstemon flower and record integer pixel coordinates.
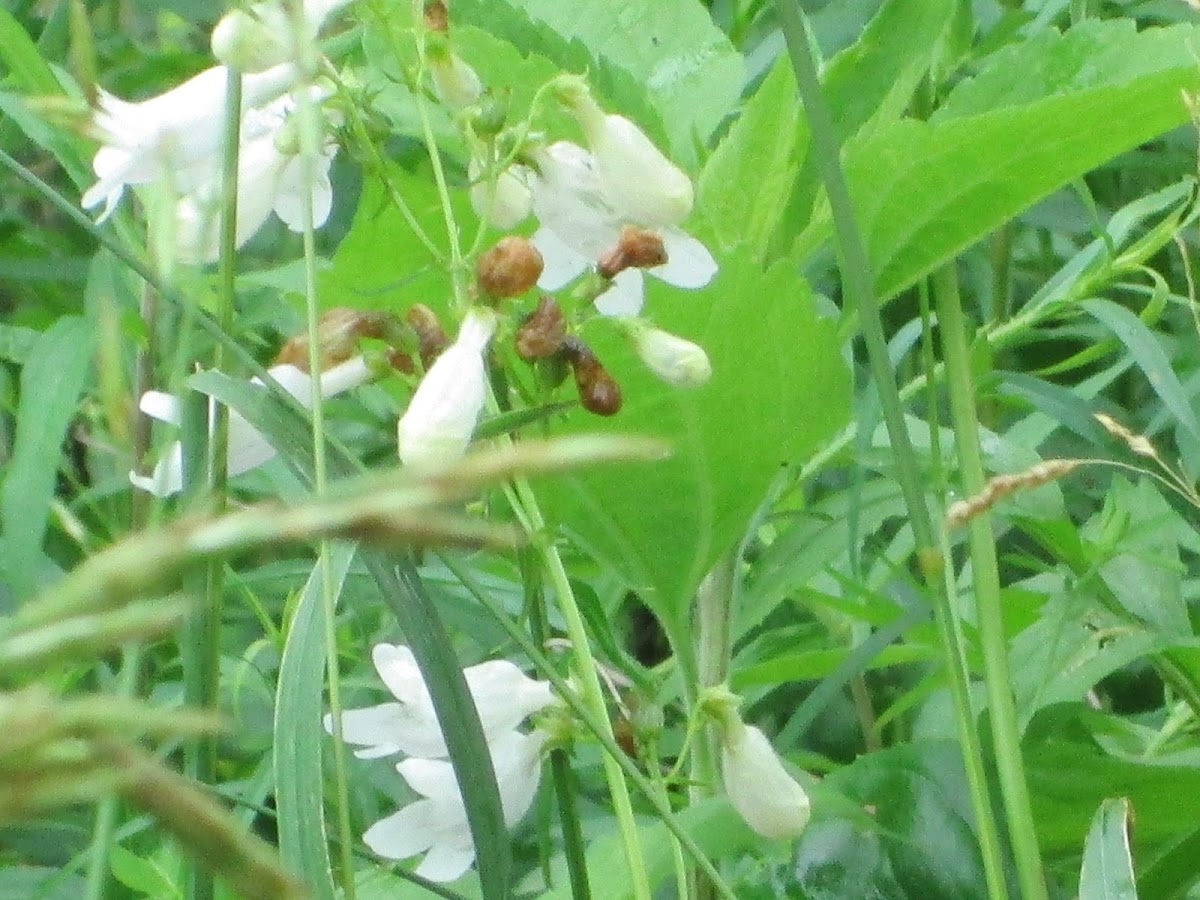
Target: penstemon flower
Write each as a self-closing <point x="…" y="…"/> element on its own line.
<point x="442" y="415"/>
<point x="247" y="448"/>
<point x="503" y="694"/>
<point x="579" y="222"/>
<point x="436" y="824"/>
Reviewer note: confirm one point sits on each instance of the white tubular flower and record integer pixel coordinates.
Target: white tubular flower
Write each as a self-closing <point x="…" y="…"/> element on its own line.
<point x="504" y="204"/>
<point x="262" y="36"/>
<point x="175" y="137"/>
<point x="437" y="824"/>
<point x="633" y="173"/>
<point x="579" y="222"/>
<point x="759" y="787"/>
<point x="247" y="448"/>
<point x="271" y="177"/>
<point x="442" y="415"/>
<point x="674" y="359"/>
<point x="503" y="694"/>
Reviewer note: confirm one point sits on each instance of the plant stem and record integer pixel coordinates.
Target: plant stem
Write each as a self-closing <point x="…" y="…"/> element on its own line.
<point x="986" y="575"/>
<point x="860" y="299"/>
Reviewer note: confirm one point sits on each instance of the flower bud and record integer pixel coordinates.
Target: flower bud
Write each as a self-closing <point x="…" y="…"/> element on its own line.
<point x="505" y="202"/>
<point x="510" y="268"/>
<point x="673" y="359"/>
<point x="542" y="332"/>
<point x="250" y="40"/>
<point x="767" y="798"/>
<point x="636" y="248"/>
<point x="635" y="177"/>
<point x="454" y="81"/>
<point x="442" y="415"/>
<point x="598" y="391"/>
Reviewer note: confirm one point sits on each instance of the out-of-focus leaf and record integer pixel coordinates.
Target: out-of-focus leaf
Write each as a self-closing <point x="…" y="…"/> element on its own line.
<point x="1107" y="871"/>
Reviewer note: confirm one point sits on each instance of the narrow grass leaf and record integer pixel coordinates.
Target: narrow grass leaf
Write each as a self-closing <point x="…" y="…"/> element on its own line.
<point x="1107" y="871"/>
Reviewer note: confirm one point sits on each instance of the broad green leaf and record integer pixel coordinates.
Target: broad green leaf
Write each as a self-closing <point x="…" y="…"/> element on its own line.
<point x="52" y="381"/>
<point x="924" y="191"/>
<point x="779" y="388"/>
<point x="299" y="706"/>
<point x="666" y="57"/>
<point x="147" y="876"/>
<point x="1174" y="871"/>
<point x="1150" y="357"/>
<point x="1107" y="870"/>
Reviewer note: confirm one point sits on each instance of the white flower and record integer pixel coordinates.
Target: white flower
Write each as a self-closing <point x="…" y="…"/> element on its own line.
<point x="503" y="694"/>
<point x="579" y="222"/>
<point x="271" y="177"/>
<point x="175" y="137"/>
<point x="505" y="203"/>
<point x="261" y="36"/>
<point x="673" y="359"/>
<point x="247" y="448"/>
<point x="437" y="824"/>
<point x="759" y="787"/>
<point x="455" y="83"/>
<point x="442" y="415"/>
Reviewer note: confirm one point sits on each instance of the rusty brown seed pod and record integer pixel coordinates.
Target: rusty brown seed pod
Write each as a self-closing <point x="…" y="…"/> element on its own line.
<point x="510" y="268"/>
<point x="636" y="248"/>
<point x="598" y="391"/>
<point x="431" y="337"/>
<point x="542" y="332"/>
<point x="338" y="333"/>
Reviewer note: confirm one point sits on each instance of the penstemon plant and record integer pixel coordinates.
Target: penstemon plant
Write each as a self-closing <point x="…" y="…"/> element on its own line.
<point x="601" y="449"/>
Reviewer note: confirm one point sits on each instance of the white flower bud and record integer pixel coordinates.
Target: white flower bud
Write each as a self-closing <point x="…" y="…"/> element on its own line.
<point x="442" y="415"/>
<point x="673" y="359"/>
<point x="504" y="204"/>
<point x="635" y="177"/>
<point x="250" y="40"/>
<point x="454" y="81"/>
<point x="759" y="787"/>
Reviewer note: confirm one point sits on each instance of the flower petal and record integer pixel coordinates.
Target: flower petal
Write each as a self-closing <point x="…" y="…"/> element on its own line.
<point x="431" y="778"/>
<point x="446" y="862"/>
<point x="404" y="833"/>
<point x="560" y="264"/>
<point x="689" y="264"/>
<point x="373" y="727"/>
<point x="160" y="406"/>
<point x="626" y="295"/>
<point x="505" y="695"/>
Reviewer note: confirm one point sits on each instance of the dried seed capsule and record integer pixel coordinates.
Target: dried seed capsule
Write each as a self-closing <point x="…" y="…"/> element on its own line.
<point x="432" y="338"/>
<point x="437" y="17"/>
<point x="636" y="248"/>
<point x="542" y="332"/>
<point x="338" y="333"/>
<point x="510" y="268"/>
<point x="598" y="391"/>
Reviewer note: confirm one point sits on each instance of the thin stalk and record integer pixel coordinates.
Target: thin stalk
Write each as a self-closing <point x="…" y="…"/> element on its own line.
<point x="860" y="298"/>
<point x="985" y="572"/>
<point x="310" y="141"/>
<point x="596" y="724"/>
<point x="590" y="690"/>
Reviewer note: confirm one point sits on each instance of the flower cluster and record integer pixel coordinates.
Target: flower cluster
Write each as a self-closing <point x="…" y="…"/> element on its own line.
<point x="175" y="139"/>
<point x="436" y="824"/>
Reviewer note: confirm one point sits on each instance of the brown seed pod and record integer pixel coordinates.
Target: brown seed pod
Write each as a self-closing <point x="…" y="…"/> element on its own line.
<point x="510" y="268"/>
<point x="437" y="17"/>
<point x="636" y="248"/>
<point x="338" y="333"/>
<point x="432" y="338"/>
<point x="598" y="391"/>
<point x="542" y="332"/>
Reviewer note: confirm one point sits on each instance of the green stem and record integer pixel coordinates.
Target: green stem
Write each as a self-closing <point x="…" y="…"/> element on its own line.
<point x="588" y="680"/>
<point x="986" y="575"/>
<point x="860" y="299"/>
<point x="310" y="147"/>
<point x="713" y="650"/>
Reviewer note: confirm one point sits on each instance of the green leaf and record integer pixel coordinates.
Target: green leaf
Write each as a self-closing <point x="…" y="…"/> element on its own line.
<point x="1107" y="871"/>
<point x="924" y="191"/>
<point x="779" y="388"/>
<point x="1150" y="357"/>
<point x="299" y="782"/>
<point x="667" y="57"/>
<point x="51" y="383"/>
<point x="147" y="876"/>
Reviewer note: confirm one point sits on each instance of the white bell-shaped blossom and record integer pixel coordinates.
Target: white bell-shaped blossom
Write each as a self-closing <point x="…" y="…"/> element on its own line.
<point x="770" y="800"/>
<point x="436" y="824"/>
<point x="271" y="178"/>
<point x="503" y="694"/>
<point x="175" y="137"/>
<point x="441" y="417"/>
<point x="262" y="35"/>
<point x="579" y="222"/>
<point x="247" y="448"/>
<point x="675" y="360"/>
<point x="504" y="201"/>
